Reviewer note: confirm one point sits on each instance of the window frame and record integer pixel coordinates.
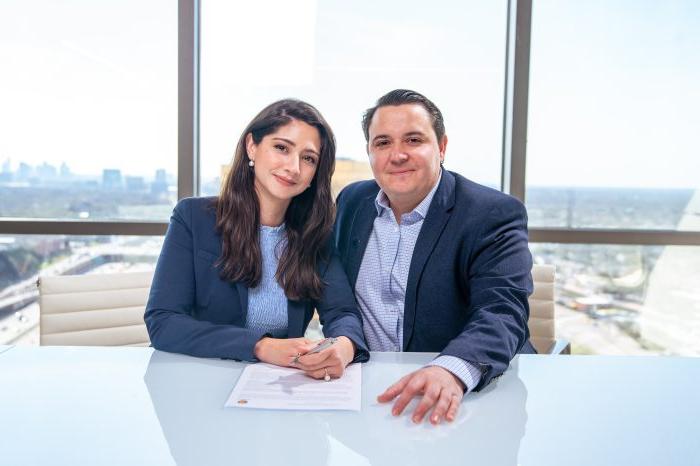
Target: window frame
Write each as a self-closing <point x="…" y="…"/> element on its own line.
<point x="513" y="152"/>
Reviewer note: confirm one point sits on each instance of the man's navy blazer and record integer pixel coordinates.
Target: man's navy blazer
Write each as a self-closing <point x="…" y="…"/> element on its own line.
<point x="191" y="310"/>
<point x="469" y="278"/>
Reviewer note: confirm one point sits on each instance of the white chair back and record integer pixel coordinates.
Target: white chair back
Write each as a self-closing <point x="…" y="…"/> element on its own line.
<point x="541" y="323"/>
<point x="94" y="310"/>
<point x="107" y="309"/>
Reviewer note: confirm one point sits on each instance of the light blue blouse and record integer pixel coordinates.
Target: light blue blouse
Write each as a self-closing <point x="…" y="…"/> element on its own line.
<point x="267" y="303"/>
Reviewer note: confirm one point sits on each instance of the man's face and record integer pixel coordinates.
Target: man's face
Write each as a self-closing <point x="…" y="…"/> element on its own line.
<point x="404" y="153"/>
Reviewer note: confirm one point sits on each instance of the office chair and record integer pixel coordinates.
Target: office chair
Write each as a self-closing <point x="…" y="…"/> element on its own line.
<point x="94" y="310"/>
<point x="541" y="323"/>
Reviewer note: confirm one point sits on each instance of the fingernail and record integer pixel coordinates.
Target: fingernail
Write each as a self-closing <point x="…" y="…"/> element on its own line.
<point x="416" y="420"/>
<point x="435" y="419"/>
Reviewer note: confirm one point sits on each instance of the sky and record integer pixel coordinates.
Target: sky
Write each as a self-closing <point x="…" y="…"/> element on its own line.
<point x="613" y="84"/>
<point x="342" y="56"/>
<point x="92" y="84"/>
<point x="614" y="93"/>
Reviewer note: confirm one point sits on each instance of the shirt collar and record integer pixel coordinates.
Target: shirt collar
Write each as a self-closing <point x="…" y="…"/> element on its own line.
<point x="381" y="202"/>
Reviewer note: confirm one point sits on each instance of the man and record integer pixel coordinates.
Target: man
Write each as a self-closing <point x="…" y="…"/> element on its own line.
<point x="438" y="263"/>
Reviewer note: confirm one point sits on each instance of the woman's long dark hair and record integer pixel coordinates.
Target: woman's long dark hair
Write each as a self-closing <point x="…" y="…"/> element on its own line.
<point x="308" y="220"/>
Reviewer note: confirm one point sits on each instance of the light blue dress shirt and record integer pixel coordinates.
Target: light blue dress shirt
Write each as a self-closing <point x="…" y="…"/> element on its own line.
<point x="381" y="283"/>
<point x="267" y="303"/>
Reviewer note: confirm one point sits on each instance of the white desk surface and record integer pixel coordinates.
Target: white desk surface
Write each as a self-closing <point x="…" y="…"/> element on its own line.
<point x="132" y="406"/>
<point x="4" y="348"/>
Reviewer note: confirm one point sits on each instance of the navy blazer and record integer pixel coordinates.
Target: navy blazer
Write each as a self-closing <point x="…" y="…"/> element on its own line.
<point x="191" y="310"/>
<point x="469" y="278"/>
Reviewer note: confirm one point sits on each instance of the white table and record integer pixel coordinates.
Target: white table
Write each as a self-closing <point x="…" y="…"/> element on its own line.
<point x="124" y="406"/>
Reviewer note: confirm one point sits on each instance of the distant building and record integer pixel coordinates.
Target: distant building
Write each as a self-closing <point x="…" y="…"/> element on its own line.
<point x="111" y="178"/>
<point x="135" y="183"/>
<point x="6" y="174"/>
<point x="671" y="316"/>
<point x="348" y="171"/>
<point x="24" y="172"/>
<point x="159" y="187"/>
<point x="65" y="171"/>
<point x="46" y="171"/>
<point x="161" y="176"/>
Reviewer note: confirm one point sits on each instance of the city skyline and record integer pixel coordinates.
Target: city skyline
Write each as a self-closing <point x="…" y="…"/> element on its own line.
<point x="64" y="171"/>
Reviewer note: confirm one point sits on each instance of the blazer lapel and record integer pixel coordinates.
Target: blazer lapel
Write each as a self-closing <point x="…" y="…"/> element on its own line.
<point x="295" y="318"/>
<point x="433" y="225"/>
<point x="243" y="297"/>
<point x="360" y="230"/>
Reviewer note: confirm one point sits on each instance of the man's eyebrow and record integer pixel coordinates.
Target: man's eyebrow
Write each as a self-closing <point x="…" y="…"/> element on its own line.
<point x="414" y="133"/>
<point x="380" y="136"/>
<point x="293" y="144"/>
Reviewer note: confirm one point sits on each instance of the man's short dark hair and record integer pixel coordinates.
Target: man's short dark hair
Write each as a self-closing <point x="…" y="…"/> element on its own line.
<point x="401" y="97"/>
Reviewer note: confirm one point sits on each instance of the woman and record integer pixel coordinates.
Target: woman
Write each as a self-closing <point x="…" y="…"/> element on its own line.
<point x="239" y="275"/>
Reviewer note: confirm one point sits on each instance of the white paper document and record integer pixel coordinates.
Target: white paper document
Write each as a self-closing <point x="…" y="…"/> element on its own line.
<point x="272" y="387"/>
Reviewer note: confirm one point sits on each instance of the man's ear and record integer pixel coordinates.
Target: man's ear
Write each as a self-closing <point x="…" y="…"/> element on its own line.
<point x="250" y="146"/>
<point x="442" y="145"/>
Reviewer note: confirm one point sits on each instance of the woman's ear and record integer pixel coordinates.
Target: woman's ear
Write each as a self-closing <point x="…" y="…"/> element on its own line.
<point x="250" y="146"/>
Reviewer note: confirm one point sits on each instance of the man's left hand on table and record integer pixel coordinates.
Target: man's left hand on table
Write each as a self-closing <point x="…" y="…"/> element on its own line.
<point x="442" y="392"/>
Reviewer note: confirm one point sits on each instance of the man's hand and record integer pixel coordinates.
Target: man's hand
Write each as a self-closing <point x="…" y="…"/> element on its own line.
<point x="281" y="351"/>
<point x="331" y="361"/>
<point x="441" y="391"/>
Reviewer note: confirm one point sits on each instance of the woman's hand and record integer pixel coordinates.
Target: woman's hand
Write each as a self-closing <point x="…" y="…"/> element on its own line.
<point x="331" y="361"/>
<point x="282" y="351"/>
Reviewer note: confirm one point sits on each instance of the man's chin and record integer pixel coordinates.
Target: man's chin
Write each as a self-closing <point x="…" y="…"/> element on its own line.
<point x="400" y="192"/>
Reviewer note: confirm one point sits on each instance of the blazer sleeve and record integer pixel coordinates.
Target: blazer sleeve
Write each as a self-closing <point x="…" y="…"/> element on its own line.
<point x="170" y="312"/>
<point x="497" y="277"/>
<point x="338" y="310"/>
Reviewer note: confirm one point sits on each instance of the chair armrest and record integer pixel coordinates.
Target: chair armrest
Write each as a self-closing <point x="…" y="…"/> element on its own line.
<point x="560" y="347"/>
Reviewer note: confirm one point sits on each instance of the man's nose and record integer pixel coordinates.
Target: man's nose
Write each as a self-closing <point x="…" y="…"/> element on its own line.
<point x="398" y="154"/>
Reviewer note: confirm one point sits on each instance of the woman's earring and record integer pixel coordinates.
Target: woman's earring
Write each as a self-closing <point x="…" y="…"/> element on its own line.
<point x="251" y="163"/>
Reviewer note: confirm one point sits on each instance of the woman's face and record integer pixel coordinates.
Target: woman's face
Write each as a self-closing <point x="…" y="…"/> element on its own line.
<point x="285" y="161"/>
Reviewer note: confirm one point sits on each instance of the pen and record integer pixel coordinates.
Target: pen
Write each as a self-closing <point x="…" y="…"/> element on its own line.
<point x="320" y="347"/>
<point x="316" y="349"/>
<point x="326" y="343"/>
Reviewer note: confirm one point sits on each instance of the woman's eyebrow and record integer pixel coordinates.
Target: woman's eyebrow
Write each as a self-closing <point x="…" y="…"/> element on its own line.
<point x="293" y="144"/>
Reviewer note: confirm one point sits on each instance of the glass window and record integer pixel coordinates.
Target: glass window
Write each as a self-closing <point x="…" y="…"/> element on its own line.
<point x="342" y="56"/>
<point x="621" y="299"/>
<point x="613" y="115"/>
<point x="23" y="259"/>
<point x="89" y="109"/>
